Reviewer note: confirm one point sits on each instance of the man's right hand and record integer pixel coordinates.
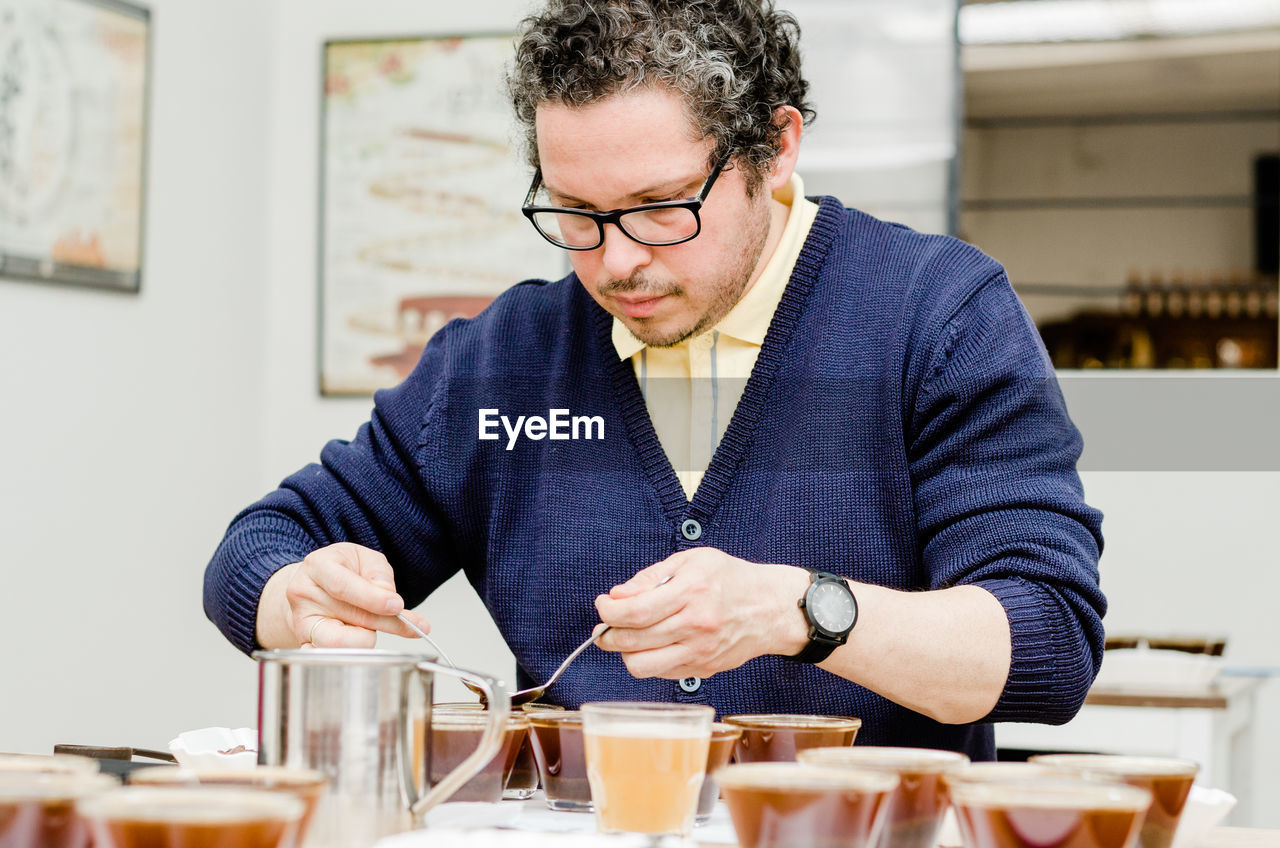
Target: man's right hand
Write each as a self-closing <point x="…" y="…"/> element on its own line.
<point x="337" y="597"/>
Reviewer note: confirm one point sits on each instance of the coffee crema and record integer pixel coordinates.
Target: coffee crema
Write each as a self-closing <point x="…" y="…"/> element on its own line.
<point x="192" y="817"/>
<point x="776" y="737"/>
<point x="1064" y="813"/>
<point x="1168" y="780"/>
<point x="921" y="799"/>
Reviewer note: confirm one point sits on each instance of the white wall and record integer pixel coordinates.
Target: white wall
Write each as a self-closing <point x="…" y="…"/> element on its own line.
<point x="298" y="420"/>
<point x="131" y="424"/>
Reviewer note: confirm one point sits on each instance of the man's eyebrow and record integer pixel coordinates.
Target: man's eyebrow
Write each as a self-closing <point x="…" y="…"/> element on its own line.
<point x="666" y="187"/>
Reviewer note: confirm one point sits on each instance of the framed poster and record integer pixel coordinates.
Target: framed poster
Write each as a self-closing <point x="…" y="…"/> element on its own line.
<point x="73" y="130"/>
<point x="420" y="206"/>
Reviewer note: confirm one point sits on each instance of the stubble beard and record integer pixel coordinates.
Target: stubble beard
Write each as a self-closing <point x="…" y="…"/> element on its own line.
<point x="727" y="289"/>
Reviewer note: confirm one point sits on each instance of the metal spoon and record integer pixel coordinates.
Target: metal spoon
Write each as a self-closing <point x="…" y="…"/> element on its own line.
<point x="526" y="696"/>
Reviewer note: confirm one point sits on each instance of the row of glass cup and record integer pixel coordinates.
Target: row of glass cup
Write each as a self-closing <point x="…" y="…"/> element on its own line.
<point x="63" y="801"/>
<point x="798" y="781"/>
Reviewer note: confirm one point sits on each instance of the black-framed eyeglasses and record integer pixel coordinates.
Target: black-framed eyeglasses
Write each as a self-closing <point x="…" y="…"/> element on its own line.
<point x="660" y="224"/>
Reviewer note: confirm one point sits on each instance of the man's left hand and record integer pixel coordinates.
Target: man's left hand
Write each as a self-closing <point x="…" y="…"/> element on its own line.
<point x="713" y="613"/>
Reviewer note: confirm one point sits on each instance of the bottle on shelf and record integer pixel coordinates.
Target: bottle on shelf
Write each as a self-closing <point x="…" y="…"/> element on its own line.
<point x="1154" y="297"/>
<point x="1175" y="302"/>
<point x="1195" y="295"/>
<point x="1233" y="302"/>
<point x="1214" y="294"/>
<point x="1131" y="300"/>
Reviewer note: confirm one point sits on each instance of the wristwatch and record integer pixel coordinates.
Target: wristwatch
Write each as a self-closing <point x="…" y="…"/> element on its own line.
<point x="830" y="610"/>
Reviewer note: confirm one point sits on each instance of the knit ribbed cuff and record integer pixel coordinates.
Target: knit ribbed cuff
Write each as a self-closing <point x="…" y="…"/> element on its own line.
<point x="247" y="559"/>
<point x="1052" y="667"/>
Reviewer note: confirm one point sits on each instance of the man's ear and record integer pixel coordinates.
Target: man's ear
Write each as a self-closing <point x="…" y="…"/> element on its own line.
<point x="784" y="164"/>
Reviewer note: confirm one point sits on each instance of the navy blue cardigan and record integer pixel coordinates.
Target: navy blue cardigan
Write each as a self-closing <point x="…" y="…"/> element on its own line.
<point x="902" y="426"/>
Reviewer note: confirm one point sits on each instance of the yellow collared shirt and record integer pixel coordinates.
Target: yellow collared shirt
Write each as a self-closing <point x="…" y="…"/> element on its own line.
<point x="693" y="388"/>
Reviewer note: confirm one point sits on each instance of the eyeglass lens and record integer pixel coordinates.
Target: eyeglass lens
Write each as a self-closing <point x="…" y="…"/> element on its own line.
<point x="650" y="226"/>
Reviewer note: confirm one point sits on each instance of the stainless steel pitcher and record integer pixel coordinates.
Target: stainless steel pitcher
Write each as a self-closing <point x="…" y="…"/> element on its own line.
<point x="363" y="717"/>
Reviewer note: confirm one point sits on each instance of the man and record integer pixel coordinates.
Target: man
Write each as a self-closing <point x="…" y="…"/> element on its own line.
<point x="872" y="511"/>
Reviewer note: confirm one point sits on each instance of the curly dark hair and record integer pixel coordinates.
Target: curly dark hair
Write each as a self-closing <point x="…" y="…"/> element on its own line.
<point x="733" y="61"/>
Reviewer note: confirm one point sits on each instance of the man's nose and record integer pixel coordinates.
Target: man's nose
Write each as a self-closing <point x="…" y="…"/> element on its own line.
<point x="622" y="255"/>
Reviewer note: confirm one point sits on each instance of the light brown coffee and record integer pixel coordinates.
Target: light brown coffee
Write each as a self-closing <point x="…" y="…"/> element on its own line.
<point x="792" y="805"/>
<point x="777" y="737"/>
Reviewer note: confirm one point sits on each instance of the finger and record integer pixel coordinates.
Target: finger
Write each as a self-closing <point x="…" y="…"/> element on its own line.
<point x="650" y="577"/>
<point x="643" y="610"/>
<point x="671" y="663"/>
<point x="336" y="577"/>
<point x="374" y="567"/>
<point x="326" y="632"/>
<point x="626" y="640"/>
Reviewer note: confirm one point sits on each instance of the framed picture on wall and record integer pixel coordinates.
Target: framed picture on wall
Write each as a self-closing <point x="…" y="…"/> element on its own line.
<point x="73" y="133"/>
<point x="420" y="205"/>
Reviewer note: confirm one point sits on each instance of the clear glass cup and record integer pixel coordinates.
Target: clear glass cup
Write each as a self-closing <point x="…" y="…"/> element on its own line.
<point x="147" y="816"/>
<point x="775" y="737"/>
<point x="307" y="785"/>
<point x="48" y="764"/>
<point x="919" y="802"/>
<point x="1168" y="780"/>
<point x="724" y="738"/>
<point x="558" y="750"/>
<point x="455" y="733"/>
<point x="790" y="805"/>
<point x="522" y="784"/>
<point x="38" y="808"/>
<point x="645" y="764"/>
<point x="1060" y="811"/>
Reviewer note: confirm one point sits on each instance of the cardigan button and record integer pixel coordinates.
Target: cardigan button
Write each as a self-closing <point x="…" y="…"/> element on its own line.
<point x="691" y="530"/>
<point x="691" y="684"/>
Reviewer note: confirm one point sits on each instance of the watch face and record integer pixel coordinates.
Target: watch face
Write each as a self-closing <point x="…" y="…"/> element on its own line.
<point x="832" y="608"/>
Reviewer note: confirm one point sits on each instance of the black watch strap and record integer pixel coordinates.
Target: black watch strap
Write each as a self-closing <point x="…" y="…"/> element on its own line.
<point x="818" y="649"/>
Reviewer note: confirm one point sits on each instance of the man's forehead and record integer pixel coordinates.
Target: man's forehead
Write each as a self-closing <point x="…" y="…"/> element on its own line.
<point x="621" y="146"/>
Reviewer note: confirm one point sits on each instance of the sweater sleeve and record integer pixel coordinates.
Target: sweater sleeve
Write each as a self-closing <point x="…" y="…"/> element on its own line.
<point x="368" y="491"/>
<point x="999" y="503"/>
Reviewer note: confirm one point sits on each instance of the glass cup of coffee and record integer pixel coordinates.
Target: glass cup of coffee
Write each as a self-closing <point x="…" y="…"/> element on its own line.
<point x="1169" y="781"/>
<point x="1064" y="812"/>
<point x="557" y="743"/>
<point x="724" y="738"/>
<point x="455" y="733"/>
<point x="795" y="805"/>
<point x="307" y="785"/>
<point x="522" y="784"/>
<point x="776" y="737"/>
<point x="192" y="817"/>
<point x="645" y="764"/>
<point x="38" y="808"/>
<point x="48" y="764"/>
<point x="919" y="802"/>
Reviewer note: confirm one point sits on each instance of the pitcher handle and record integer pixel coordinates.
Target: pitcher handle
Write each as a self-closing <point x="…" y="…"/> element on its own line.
<point x="499" y="700"/>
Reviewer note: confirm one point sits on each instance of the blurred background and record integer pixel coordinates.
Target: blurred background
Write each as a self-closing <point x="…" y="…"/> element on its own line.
<point x="1118" y="156"/>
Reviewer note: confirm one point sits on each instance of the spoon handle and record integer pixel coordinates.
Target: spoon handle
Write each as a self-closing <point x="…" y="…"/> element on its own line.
<point x="422" y="633"/>
<point x="555" y="675"/>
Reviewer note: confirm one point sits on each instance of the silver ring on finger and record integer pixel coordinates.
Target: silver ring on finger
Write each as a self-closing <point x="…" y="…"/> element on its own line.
<point x="311" y="634"/>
